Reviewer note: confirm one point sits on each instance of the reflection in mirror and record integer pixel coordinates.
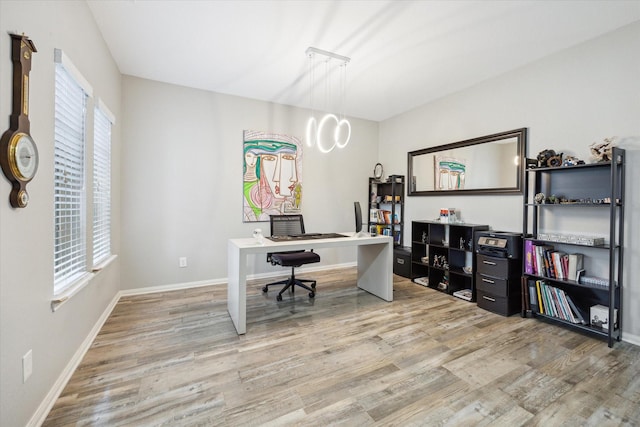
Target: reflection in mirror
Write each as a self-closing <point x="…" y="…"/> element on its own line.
<point x="489" y="164"/>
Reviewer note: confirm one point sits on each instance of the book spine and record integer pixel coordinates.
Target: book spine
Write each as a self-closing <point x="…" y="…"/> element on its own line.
<point x="565" y="305"/>
<point x="547" y="264"/>
<point x="540" y="300"/>
<point x="575" y="310"/>
<point x="545" y="296"/>
<point x="533" y="296"/>
<point x="528" y="251"/>
<point x="565" y="267"/>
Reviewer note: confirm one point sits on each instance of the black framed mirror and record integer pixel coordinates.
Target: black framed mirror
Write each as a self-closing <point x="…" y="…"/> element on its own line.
<point x="492" y="164"/>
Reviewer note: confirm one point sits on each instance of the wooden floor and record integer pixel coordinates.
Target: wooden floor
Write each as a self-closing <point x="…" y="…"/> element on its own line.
<point x="346" y="358"/>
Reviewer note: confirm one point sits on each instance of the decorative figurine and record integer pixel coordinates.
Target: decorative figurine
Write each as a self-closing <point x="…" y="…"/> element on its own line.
<point x="544" y="156"/>
<point x="539" y="198"/>
<point x="555" y="161"/>
<point x="572" y="161"/>
<point x="601" y="152"/>
<point x="553" y="199"/>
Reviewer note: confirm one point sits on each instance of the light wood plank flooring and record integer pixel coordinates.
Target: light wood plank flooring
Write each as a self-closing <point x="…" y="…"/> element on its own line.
<point x="345" y="358"/>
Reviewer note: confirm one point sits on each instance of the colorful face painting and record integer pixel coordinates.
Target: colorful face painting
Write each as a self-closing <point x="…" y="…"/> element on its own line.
<point x="272" y="175"/>
<point x="450" y="173"/>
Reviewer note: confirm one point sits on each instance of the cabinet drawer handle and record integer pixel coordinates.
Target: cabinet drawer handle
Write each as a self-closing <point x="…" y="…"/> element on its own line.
<point x="488" y="281"/>
<point x="488" y="262"/>
<point x="399" y="260"/>
<point x="489" y="299"/>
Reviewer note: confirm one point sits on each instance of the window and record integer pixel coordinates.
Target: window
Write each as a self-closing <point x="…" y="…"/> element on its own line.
<point x="70" y="251"/>
<point x="103" y="121"/>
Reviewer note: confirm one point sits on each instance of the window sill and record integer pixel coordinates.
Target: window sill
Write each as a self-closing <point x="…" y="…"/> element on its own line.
<point x="65" y="295"/>
<point x="104" y="263"/>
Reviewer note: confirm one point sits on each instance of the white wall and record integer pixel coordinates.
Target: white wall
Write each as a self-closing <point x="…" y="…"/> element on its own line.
<point x="182" y="180"/>
<point x="26" y="244"/>
<point x="569" y="100"/>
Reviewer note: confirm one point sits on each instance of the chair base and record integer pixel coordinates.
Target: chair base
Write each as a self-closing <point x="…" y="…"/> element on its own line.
<point x="291" y="283"/>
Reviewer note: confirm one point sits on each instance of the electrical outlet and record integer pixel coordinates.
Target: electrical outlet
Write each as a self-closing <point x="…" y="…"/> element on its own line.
<point x="27" y="366"/>
<point x="182" y="262"/>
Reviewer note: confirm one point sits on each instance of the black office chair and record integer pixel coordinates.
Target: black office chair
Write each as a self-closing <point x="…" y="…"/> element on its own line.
<point x="287" y="225"/>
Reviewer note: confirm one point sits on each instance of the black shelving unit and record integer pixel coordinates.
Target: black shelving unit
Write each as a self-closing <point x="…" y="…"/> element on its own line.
<point x="386" y="207"/>
<point x="594" y="191"/>
<point x="439" y="251"/>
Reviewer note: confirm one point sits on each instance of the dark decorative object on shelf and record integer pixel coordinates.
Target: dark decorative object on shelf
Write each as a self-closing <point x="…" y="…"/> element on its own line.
<point x="378" y="170"/>
<point x="544" y="156"/>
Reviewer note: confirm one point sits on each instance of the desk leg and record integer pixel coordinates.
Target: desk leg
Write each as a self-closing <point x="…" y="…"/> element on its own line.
<point x="375" y="270"/>
<point x="237" y="288"/>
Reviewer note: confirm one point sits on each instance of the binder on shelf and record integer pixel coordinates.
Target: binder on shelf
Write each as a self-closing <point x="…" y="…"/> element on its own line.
<point x="576" y="262"/>
<point x="533" y="297"/>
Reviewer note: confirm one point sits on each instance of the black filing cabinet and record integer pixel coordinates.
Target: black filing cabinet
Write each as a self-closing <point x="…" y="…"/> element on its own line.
<point x="498" y="271"/>
<point x="402" y="261"/>
<point x="498" y="284"/>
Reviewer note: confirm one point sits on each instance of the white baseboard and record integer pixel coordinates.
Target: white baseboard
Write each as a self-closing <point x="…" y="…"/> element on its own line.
<point x="50" y="399"/>
<point x="171" y="287"/>
<point x="631" y="339"/>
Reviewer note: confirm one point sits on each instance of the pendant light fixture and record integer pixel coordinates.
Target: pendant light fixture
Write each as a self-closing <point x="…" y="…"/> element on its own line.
<point x="332" y="130"/>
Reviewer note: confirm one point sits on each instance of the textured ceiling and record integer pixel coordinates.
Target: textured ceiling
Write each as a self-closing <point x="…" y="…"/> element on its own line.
<point x="403" y="53"/>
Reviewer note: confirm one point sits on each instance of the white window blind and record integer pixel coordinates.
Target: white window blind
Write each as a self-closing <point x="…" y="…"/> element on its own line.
<point x="101" y="186"/>
<point x="70" y="253"/>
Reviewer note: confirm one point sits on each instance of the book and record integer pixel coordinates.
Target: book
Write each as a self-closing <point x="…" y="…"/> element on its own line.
<point x="576" y="262"/>
<point x="575" y="310"/>
<point x="541" y="259"/>
<point x="557" y="265"/>
<point x="540" y="300"/>
<point x="386" y="216"/>
<point x="565" y="266"/>
<point x="373" y="215"/>
<point x="533" y="296"/>
<point x="528" y="260"/>
<point x="563" y="308"/>
<point x="565" y="304"/>
<point x="548" y="305"/>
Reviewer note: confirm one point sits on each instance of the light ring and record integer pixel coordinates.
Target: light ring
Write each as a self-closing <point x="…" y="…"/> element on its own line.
<point x="312" y="131"/>
<point x="319" y="133"/>
<point x="336" y="133"/>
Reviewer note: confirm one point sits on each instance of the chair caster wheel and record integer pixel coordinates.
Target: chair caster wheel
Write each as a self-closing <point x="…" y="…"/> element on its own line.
<point x="279" y="297"/>
<point x="265" y="289"/>
<point x="313" y="286"/>
<point x="312" y="294"/>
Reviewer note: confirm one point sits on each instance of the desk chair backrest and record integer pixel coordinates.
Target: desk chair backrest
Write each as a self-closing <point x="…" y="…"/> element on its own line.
<point x="286" y="225"/>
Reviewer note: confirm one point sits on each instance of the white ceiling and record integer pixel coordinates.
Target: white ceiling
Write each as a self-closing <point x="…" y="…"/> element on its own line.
<point x="403" y="53"/>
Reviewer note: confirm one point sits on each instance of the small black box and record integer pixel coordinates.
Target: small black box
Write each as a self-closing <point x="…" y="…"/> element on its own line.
<point x="402" y="261"/>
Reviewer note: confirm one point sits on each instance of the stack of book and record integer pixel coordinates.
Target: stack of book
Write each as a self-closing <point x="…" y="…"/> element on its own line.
<point x="544" y="260"/>
<point x="380" y="216"/>
<point x="553" y="302"/>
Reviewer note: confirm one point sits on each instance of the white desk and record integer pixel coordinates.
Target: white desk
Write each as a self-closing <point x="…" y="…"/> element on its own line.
<point x="375" y="267"/>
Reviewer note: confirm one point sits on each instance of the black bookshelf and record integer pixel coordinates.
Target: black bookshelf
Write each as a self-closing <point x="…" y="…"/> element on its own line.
<point x="593" y="191"/>
<point x="386" y="207"/>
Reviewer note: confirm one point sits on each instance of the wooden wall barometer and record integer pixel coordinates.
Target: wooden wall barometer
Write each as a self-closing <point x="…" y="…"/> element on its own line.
<point x="18" y="151"/>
